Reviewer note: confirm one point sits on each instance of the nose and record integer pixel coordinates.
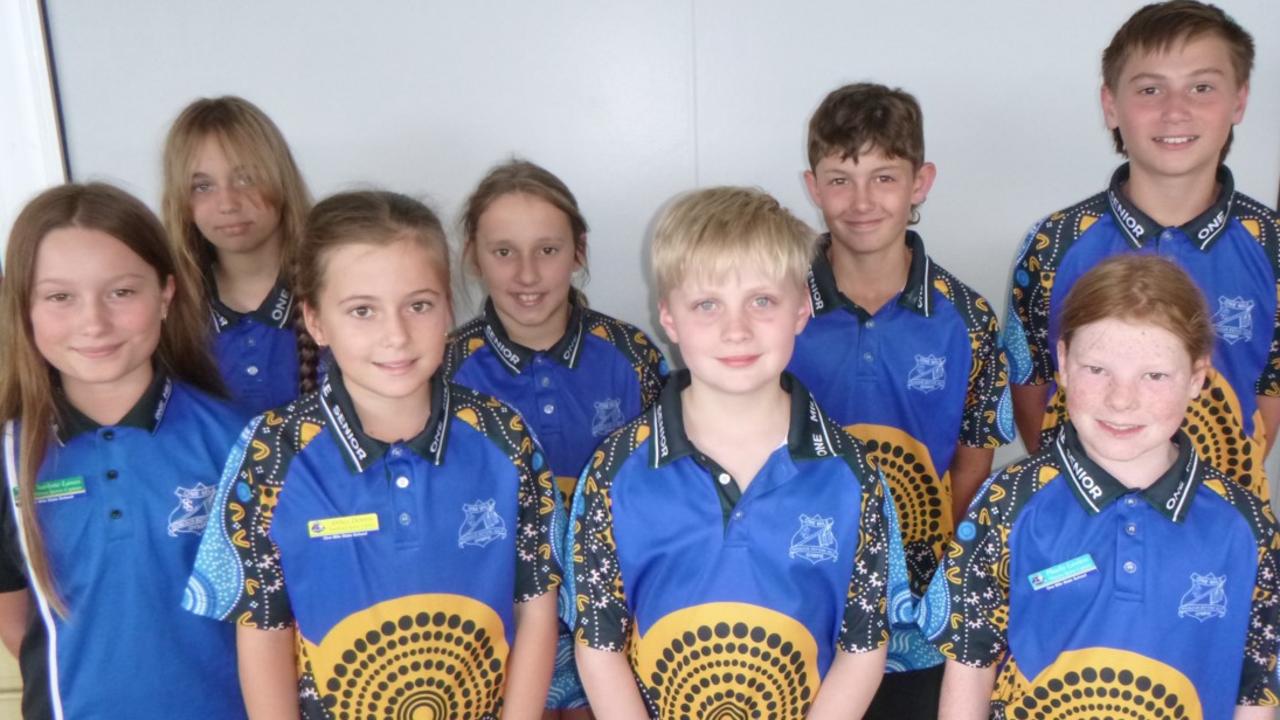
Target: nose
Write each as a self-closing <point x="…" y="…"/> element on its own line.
<point x="395" y="331"/>
<point x="1121" y="395"/>
<point x="95" y="318"/>
<point x="1174" y="107"/>
<point x="228" y="198"/>
<point x="736" y="328"/>
<point x="860" y="197"/>
<point x="527" y="270"/>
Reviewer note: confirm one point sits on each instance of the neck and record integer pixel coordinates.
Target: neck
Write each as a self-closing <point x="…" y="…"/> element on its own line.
<point x="871" y="279"/>
<point x="1172" y="201"/>
<point x="1143" y="471"/>
<point x="392" y="419"/>
<point x="766" y="412"/>
<point x="245" y="279"/>
<point x="108" y="403"/>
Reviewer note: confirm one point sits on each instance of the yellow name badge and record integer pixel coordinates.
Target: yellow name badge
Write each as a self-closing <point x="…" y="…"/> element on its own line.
<point x="347" y="526"/>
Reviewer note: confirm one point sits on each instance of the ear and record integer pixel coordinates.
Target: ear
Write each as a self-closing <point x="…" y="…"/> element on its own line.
<point x="806" y="310"/>
<point x="667" y="322"/>
<point x="311" y="318"/>
<point x="811" y="184"/>
<point x="580" y="253"/>
<point x="167" y="291"/>
<point x="1062" y="364"/>
<point x="1109" y="113"/>
<point x="925" y="176"/>
<point x="1199" y="371"/>
<point x="1242" y="99"/>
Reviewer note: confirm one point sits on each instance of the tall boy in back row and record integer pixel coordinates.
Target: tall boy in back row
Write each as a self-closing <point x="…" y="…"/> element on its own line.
<point x="899" y="352"/>
<point x="1175" y="82"/>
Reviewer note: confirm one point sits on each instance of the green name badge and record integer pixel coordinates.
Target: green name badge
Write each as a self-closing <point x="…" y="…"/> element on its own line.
<point x="1063" y="573"/>
<point x="57" y="490"/>
<point x="342" y="527"/>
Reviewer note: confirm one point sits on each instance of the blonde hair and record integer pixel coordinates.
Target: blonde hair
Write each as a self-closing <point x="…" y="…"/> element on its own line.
<point x="714" y="232"/>
<point x="371" y="217"/>
<point x="1142" y="288"/>
<point x="27" y="381"/>
<point x="249" y="138"/>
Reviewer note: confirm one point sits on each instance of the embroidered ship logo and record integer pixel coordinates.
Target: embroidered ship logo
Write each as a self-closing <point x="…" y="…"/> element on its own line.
<point x="814" y="541"/>
<point x="1234" y="319"/>
<point x="482" y="524"/>
<point x="928" y="374"/>
<point x="1205" y="599"/>
<point x="192" y="513"/>
<point x="608" y="417"/>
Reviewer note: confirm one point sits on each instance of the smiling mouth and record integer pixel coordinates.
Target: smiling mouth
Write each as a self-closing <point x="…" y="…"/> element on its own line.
<point x="95" y="353"/>
<point x="739" y="360"/>
<point x="397" y="366"/>
<point x="1119" y="429"/>
<point x="528" y="299"/>
<point x="235" y="229"/>
<point x="1177" y="140"/>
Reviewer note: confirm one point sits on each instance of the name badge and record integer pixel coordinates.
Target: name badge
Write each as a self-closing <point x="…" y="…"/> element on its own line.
<point x="1063" y="573"/>
<point x="56" y="490"/>
<point x="347" y="526"/>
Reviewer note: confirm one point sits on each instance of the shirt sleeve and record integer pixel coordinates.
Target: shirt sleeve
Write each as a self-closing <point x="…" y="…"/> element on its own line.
<point x="1268" y="384"/>
<point x="13" y="576"/>
<point x="865" y="626"/>
<point x="965" y="611"/>
<point x="652" y="371"/>
<point x="602" y="620"/>
<point x="988" y="405"/>
<point x="1258" y="682"/>
<point x="541" y="515"/>
<point x="237" y="575"/>
<point x="1026" y="329"/>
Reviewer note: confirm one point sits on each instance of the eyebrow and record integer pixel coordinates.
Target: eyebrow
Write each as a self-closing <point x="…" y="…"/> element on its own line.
<point x="111" y="279"/>
<point x="1194" y="73"/>
<point x="374" y="298"/>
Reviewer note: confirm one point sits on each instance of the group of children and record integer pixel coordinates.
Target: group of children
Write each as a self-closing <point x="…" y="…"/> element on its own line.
<point x="529" y="513"/>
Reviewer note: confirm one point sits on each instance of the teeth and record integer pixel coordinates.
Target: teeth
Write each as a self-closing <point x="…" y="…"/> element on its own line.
<point x="1179" y="140"/>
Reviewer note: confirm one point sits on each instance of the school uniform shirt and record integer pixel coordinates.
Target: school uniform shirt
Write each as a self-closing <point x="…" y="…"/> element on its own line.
<point x="919" y="377"/>
<point x="729" y="602"/>
<point x="1231" y="251"/>
<point x="256" y="351"/>
<point x="399" y="564"/>
<point x="1105" y="601"/>
<point x="122" y="509"/>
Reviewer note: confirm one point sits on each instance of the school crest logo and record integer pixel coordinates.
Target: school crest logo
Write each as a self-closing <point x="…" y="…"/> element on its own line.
<point x="608" y="417"/>
<point x="1207" y="598"/>
<point x="928" y="374"/>
<point x="481" y="524"/>
<point x="1234" y="320"/>
<point x="814" y="541"/>
<point x="192" y="513"/>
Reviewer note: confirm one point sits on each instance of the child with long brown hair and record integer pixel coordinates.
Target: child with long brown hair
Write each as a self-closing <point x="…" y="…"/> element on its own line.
<point x="396" y="524"/>
<point x="113" y="443"/>
<point x="234" y="204"/>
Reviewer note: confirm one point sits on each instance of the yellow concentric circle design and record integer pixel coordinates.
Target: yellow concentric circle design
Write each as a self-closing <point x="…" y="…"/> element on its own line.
<point x="1105" y="684"/>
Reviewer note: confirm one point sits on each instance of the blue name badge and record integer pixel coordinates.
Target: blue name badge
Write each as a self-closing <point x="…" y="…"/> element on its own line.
<point x="1063" y="573"/>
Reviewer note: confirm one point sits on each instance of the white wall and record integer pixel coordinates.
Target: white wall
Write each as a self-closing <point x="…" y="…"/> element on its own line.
<point x="633" y="102"/>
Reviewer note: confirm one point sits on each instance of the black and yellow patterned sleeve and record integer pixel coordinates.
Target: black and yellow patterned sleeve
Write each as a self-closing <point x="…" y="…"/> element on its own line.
<point x="1265" y="224"/>
<point x="1259" y="684"/>
<point x="865" y="626"/>
<point x="987" y="421"/>
<point x="602" y="620"/>
<point x="537" y="570"/>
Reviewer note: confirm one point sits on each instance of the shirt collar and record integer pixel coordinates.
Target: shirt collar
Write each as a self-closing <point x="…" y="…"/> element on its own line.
<point x="1095" y="488"/>
<point x="516" y="357"/>
<point x="808" y="436"/>
<point x="826" y="295"/>
<point x="145" y="414"/>
<point x="361" y="450"/>
<point x="1139" y="228"/>
<point x="275" y="311"/>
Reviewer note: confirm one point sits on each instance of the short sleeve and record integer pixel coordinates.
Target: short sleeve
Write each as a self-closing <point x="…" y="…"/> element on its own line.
<point x="1258" y="682"/>
<point x="1026" y="329"/>
<point x="988" y="405"/>
<point x="602" y="620"/>
<point x="237" y="575"/>
<point x="540" y="514"/>
<point x="652" y="371"/>
<point x="1269" y="382"/>
<point x="865" y="626"/>
<point x="13" y="576"/>
<point x="964" y="613"/>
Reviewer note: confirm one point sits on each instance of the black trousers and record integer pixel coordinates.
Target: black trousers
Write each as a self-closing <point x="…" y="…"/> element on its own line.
<point x="907" y="696"/>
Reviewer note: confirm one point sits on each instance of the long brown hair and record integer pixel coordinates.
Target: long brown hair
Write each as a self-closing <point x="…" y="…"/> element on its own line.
<point x="372" y="217"/>
<point x="27" y="382"/>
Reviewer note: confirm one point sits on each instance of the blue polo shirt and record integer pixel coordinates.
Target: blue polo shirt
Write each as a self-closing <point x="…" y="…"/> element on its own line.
<point x="257" y="351"/>
<point x="399" y="564"/>
<point x="921" y="376"/>
<point x="1100" y="601"/>
<point x="730" y="603"/>
<point x="122" y="509"/>
<point x="1231" y="251"/>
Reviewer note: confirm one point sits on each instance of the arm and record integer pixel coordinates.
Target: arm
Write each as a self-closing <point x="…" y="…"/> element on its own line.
<point x="966" y="692"/>
<point x="969" y="468"/>
<point x="14" y="610"/>
<point x="532" y="658"/>
<point x="610" y="686"/>
<point x="1269" y="407"/>
<point x="1253" y="712"/>
<point x="1028" y="413"/>
<point x="850" y="684"/>
<point x="268" y="674"/>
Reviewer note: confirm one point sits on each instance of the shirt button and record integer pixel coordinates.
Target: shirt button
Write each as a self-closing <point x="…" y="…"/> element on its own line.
<point x="402" y="482"/>
<point x="396" y="452"/>
<point x="546" y="381"/>
<point x="112" y="474"/>
<point x="405" y="519"/>
<point x="1166" y="235"/>
<point x="250" y="342"/>
<point x="1131" y="529"/>
<point x="871" y="323"/>
<point x="724" y="478"/>
<point x="1130" y="567"/>
<point x="738" y="515"/>
<point x="868" y="357"/>
<point x="1131" y="501"/>
<point x="108" y="435"/>
<point x="252" y="369"/>
<point x="116" y="514"/>
<point x="548" y="408"/>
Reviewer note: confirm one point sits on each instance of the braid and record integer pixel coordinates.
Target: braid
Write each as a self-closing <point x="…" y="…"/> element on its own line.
<point x="308" y="357"/>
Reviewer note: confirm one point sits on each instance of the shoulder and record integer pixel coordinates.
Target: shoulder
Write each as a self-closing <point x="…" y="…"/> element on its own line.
<point x="464" y="341"/>
<point x="1258" y="220"/>
<point x="1056" y="231"/>
<point x="626" y="338"/>
<point x="973" y="307"/>
<point x="620" y="446"/>
<point x="1006" y="493"/>
<point x="210" y="417"/>
<point x="489" y="416"/>
<point x="1255" y="512"/>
